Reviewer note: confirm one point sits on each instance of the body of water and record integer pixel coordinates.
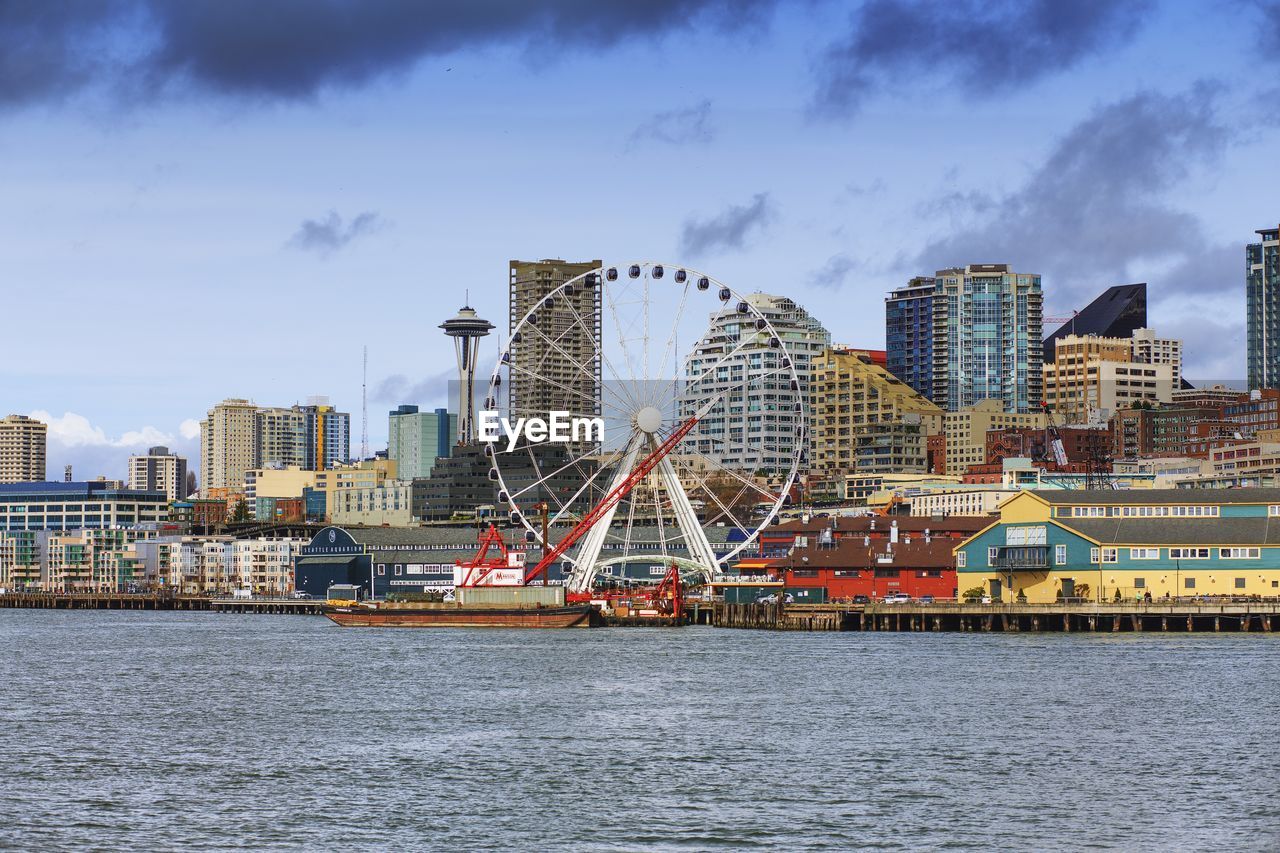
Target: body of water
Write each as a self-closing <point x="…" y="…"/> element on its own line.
<point x="161" y="730"/>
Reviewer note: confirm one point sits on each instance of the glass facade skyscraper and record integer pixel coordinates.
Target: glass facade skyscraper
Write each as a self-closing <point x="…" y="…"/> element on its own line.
<point x="1262" y="290"/>
<point x="908" y="333"/>
<point x="987" y="324"/>
<point x="417" y="439"/>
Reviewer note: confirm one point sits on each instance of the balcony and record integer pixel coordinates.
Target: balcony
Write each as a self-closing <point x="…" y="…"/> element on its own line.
<point x="1022" y="558"/>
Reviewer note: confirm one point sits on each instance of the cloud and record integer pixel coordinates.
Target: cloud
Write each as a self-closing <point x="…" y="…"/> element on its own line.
<point x="189" y="429"/>
<point x="328" y="235"/>
<point x="1093" y="213"/>
<point x="728" y="229"/>
<point x="1269" y="30"/>
<point x="296" y="49"/>
<point x="677" y="127"/>
<point x="75" y="440"/>
<point x="834" y="273"/>
<point x="984" y="46"/>
<point x="437" y="389"/>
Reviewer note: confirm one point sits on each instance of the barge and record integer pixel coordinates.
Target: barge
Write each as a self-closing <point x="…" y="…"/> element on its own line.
<point x="453" y="615"/>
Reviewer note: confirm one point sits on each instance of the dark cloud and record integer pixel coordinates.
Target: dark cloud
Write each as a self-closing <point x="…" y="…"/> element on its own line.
<point x="330" y="234"/>
<point x="436" y="390"/>
<point x="834" y="272"/>
<point x="677" y="127"/>
<point x="1269" y="30"/>
<point x="729" y="228"/>
<point x="290" y="49"/>
<point x="1093" y="213"/>
<point x="985" y="46"/>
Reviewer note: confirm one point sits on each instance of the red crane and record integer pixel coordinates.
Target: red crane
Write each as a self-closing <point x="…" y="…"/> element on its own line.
<point x="610" y="500"/>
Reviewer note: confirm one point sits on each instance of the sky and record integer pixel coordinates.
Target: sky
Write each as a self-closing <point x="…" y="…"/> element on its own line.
<point x="206" y="199"/>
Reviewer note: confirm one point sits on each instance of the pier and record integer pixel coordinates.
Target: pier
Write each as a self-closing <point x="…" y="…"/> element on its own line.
<point x="1177" y="616"/>
<point x="151" y="601"/>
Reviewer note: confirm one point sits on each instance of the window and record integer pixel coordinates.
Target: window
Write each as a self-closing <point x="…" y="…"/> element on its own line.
<point x="992" y="554"/>
<point x="1188" y="583"/>
<point x="961" y="559"/>
<point x="1274" y="509"/>
<point x="1239" y="553"/>
<point x="1060" y="555"/>
<point x="886" y="573"/>
<point x="399" y="570"/>
<point x="1026" y="535"/>
<point x="1110" y="555"/>
<point x="1139" y="583"/>
<point x="382" y="568"/>
<point x="1188" y="553"/>
<point x="803" y="573"/>
<point x="1144" y="553"/>
<point x="1239" y="583"/>
<point x="1093" y="555"/>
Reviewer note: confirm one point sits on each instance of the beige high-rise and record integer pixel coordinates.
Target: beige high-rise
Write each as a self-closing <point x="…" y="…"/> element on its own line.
<point x="228" y="444"/>
<point x="22" y="449"/>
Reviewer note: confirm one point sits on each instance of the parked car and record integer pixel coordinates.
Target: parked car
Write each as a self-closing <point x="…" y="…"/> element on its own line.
<point x="861" y="599"/>
<point x="926" y="599"/>
<point x="297" y="593"/>
<point x="897" y="598"/>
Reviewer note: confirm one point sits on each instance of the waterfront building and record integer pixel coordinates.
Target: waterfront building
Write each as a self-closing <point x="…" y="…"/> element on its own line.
<point x="564" y="377"/>
<point x="758" y="417"/>
<point x="966" y="432"/>
<point x="908" y="327"/>
<point x="21" y="559"/>
<point x="101" y="560"/>
<point x="71" y="506"/>
<point x="199" y="565"/>
<point x="1262" y="297"/>
<point x="864" y="418"/>
<point x="158" y="470"/>
<point x="238" y="436"/>
<point x="987" y="338"/>
<point x="1092" y="377"/>
<point x="23" y="443"/>
<point x="417" y="439"/>
<point x="1104" y="544"/>
<point x="778" y="540"/>
<point x="1117" y="313"/>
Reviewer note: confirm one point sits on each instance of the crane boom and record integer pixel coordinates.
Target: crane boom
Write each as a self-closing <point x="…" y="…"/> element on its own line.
<point x="611" y="500"/>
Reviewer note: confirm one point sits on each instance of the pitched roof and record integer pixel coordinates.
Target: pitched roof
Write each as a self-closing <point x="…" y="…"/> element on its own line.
<point x="1178" y="531"/>
<point x="858" y="524"/>
<point x="1138" y="497"/>
<point x="853" y="554"/>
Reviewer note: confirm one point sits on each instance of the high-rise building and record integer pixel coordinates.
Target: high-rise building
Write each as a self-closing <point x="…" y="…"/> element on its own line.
<point x="564" y="375"/>
<point x="1149" y="349"/>
<point x="417" y="439"/>
<point x="1091" y="377"/>
<point x="158" y="470"/>
<point x="756" y="421"/>
<point x="1262" y="291"/>
<point x="328" y="435"/>
<point x="1116" y="313"/>
<point x="865" y="418"/>
<point x="228" y="444"/>
<point x="282" y="439"/>
<point x="22" y="449"/>
<point x="987" y="337"/>
<point x="908" y="327"/>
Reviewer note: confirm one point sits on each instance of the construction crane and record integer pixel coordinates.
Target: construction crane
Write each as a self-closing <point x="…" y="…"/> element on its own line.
<point x="1053" y="438"/>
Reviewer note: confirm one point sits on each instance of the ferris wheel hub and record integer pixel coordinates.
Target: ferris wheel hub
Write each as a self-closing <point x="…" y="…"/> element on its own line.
<point x="649" y="419"/>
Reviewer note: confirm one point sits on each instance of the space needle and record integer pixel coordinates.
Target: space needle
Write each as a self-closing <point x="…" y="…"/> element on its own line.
<point x="466" y="329"/>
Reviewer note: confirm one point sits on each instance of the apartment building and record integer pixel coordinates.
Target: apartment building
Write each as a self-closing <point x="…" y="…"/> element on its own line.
<point x="23" y="444"/>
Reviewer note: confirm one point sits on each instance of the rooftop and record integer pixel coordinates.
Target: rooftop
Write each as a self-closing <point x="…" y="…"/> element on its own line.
<point x="1171" y="497"/>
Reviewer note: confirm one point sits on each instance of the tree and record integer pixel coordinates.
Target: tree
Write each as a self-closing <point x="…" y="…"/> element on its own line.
<point x="241" y="512"/>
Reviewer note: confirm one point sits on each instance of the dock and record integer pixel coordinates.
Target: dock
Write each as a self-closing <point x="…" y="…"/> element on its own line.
<point x="1176" y="616"/>
<point x="153" y="601"/>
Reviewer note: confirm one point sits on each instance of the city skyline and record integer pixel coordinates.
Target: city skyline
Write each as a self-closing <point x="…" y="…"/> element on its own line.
<point x="1132" y="153"/>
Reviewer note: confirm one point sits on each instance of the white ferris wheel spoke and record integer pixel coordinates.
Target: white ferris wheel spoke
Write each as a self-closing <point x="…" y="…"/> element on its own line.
<point x="589" y="374"/>
<point x="621" y="392"/>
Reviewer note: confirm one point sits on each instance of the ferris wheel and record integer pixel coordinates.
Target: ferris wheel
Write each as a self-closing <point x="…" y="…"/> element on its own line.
<point x="675" y="471"/>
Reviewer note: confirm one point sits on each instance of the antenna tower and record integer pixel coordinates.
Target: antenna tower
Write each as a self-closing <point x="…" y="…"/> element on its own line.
<point x="364" y="407"/>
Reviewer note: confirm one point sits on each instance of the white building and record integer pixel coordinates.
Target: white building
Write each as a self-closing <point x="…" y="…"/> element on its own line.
<point x="1149" y="349"/>
<point x="219" y="564"/>
<point x="755" y="424"/>
<point x="158" y="470"/>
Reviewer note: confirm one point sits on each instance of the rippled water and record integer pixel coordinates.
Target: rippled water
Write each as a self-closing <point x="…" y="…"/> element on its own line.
<point x="157" y="730"/>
